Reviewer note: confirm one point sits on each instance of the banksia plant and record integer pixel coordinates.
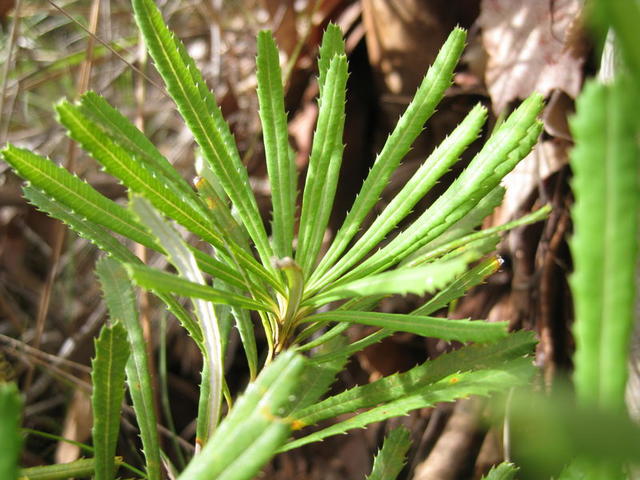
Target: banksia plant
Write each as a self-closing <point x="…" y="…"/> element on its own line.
<point x="251" y="277"/>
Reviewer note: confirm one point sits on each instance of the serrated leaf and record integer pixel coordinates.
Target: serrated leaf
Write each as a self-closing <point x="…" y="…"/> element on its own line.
<point x="460" y="330"/>
<point x="82" y="468"/>
<point x="184" y="317"/>
<point x="10" y="436"/>
<point x="324" y="165"/>
<point x="506" y="147"/>
<point x="605" y="243"/>
<point x="420" y="280"/>
<point x="332" y="44"/>
<point x="163" y="282"/>
<point x="78" y="196"/>
<point x="107" y="378"/>
<point x="436" y="165"/>
<point x="138" y="177"/>
<point x="459" y="385"/>
<point x="393" y="387"/>
<point x="487" y="233"/>
<point x="459" y="286"/>
<point x="121" y="302"/>
<point x="467" y="224"/>
<point x="128" y="136"/>
<point x="185" y="263"/>
<point x="392" y="456"/>
<point x="202" y="115"/>
<point x="93" y="232"/>
<point x="504" y="471"/>
<point x="319" y="376"/>
<point x="409" y="126"/>
<point x="255" y="428"/>
<point x="280" y="165"/>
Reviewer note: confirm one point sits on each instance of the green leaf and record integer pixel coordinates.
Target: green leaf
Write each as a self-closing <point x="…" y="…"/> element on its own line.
<point x="548" y="431"/>
<point x="280" y="165"/>
<point x="504" y="471"/>
<point x="324" y="165"/>
<point x="438" y="163"/>
<point x="138" y="177"/>
<point x="107" y="377"/>
<point x="332" y="45"/>
<point x="459" y="385"/>
<point x="163" y="282"/>
<point x="185" y="263"/>
<point x="391" y="458"/>
<point x="83" y="468"/>
<point x="121" y="303"/>
<point x="418" y="280"/>
<point x="255" y="428"/>
<point x="10" y="437"/>
<point x="319" y="376"/>
<point x="78" y="196"/>
<point x="202" y="115"/>
<point x="129" y="137"/>
<point x="506" y="147"/>
<point x="394" y="387"/>
<point x="605" y="242"/>
<point x="184" y="317"/>
<point x="93" y="232"/>
<point x="354" y="347"/>
<point x="487" y="233"/>
<point x="460" y="285"/>
<point x="409" y="126"/>
<point x="466" y="225"/>
<point x="460" y="330"/>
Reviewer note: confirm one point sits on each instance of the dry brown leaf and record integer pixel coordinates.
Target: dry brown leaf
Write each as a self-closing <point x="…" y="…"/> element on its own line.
<point x="5" y="7"/>
<point x="531" y="47"/>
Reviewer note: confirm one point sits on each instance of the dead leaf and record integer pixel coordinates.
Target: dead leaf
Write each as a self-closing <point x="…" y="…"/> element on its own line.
<point x="5" y="7"/>
<point x="531" y="47"/>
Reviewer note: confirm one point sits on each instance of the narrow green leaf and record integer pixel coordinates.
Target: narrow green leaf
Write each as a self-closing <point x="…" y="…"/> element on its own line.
<point x="549" y="431"/>
<point x="163" y="282"/>
<point x="135" y="175"/>
<point x="83" y="468"/>
<point x="217" y="202"/>
<point x="460" y="330"/>
<point x="466" y="225"/>
<point x="121" y="302"/>
<point x="10" y="436"/>
<point x="324" y="165"/>
<point x="459" y="385"/>
<point x="460" y="242"/>
<point x="319" y="376"/>
<point x="107" y="377"/>
<point x="141" y="180"/>
<point x="332" y="45"/>
<point x="128" y="136"/>
<point x="409" y="126"/>
<point x="393" y="387"/>
<point x="459" y="286"/>
<point x="504" y="471"/>
<point x="280" y="165"/>
<point x="438" y="163"/>
<point x="605" y="243"/>
<point x="255" y="428"/>
<point x="506" y="147"/>
<point x="420" y="280"/>
<point x="392" y="456"/>
<point x="93" y="232"/>
<point x="184" y="317"/>
<point x="77" y="195"/>
<point x="202" y="115"/>
<point x="185" y="263"/>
